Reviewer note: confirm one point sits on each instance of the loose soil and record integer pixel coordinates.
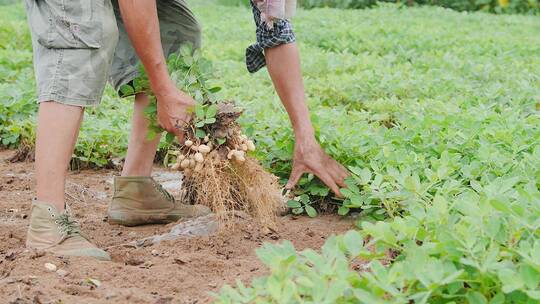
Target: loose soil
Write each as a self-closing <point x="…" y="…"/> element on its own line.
<point x="185" y="270"/>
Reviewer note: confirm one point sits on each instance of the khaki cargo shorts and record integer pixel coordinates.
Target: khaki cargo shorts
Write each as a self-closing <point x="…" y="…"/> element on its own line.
<point x="80" y="44"/>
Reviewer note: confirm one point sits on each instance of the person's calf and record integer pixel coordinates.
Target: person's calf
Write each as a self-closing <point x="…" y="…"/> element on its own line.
<point x="57" y="130"/>
<point x="141" y="151"/>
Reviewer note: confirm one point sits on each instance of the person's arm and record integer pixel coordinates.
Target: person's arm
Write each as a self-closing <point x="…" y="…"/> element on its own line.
<point x="283" y="63"/>
<point x="142" y="26"/>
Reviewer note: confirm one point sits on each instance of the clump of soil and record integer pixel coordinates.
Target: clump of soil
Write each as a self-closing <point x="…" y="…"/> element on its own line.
<point x="25" y="152"/>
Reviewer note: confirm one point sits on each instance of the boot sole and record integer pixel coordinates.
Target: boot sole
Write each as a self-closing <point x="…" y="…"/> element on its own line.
<point x="116" y="218"/>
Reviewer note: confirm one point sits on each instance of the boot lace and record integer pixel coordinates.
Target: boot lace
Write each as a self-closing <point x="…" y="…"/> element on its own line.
<point x="165" y="193"/>
<point x="67" y="225"/>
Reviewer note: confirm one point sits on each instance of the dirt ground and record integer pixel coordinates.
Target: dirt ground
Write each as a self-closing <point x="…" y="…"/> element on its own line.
<point x="185" y="270"/>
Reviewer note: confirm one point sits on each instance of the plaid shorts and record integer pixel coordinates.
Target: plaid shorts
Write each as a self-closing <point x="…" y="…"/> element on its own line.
<point x="280" y="33"/>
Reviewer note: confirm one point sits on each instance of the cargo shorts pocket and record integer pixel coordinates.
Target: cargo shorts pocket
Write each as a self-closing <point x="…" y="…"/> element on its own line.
<point x="66" y="24"/>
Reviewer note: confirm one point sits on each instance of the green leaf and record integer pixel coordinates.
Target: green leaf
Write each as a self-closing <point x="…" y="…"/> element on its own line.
<point x="298" y="210"/>
<point x="126" y="90"/>
<point x="533" y="294"/>
<point x="530" y="276"/>
<point x="354" y="242"/>
<point x="510" y="280"/>
<point x="454" y="287"/>
<point x="365" y="176"/>
<point x="138" y="84"/>
<point x="474" y="297"/>
<point x="293" y="204"/>
<point x="303" y="181"/>
<point x="191" y="79"/>
<point x="346" y="192"/>
<point x="497" y="299"/>
<point x="210" y="121"/>
<point x="411" y="183"/>
<point x="199" y="111"/>
<point x="151" y="135"/>
<point x="476" y="186"/>
<point x="211" y="111"/>
<point x="169" y="137"/>
<point x="351" y="185"/>
<point x="188" y="61"/>
<point x="150" y="109"/>
<point x="214" y="89"/>
<point x="310" y="211"/>
<point x="343" y="210"/>
<point x="499" y="205"/>
<point x="186" y="50"/>
<point x="198" y="95"/>
<point x="221" y="141"/>
<point x="200" y="133"/>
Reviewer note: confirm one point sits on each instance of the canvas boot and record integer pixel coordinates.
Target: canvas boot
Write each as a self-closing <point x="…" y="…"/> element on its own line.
<point x="59" y="233"/>
<point x="139" y="200"/>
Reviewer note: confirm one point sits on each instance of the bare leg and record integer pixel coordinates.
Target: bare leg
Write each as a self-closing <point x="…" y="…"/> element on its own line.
<point x="58" y="127"/>
<point x="141" y="152"/>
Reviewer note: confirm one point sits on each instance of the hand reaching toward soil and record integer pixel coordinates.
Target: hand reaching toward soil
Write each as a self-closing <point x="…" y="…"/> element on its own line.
<point x="310" y="158"/>
<point x="173" y="110"/>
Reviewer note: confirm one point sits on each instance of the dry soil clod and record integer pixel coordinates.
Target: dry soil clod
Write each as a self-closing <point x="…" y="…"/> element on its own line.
<point x="50" y="267"/>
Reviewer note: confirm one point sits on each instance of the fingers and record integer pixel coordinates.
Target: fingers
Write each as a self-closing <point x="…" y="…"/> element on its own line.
<point x="340" y="181"/>
<point x="180" y="135"/>
<point x="339" y="173"/>
<point x="343" y="171"/>
<point x="338" y="176"/>
<point x="329" y="181"/>
<point x="296" y="174"/>
<point x="178" y="128"/>
<point x="336" y="171"/>
<point x="328" y="170"/>
<point x="324" y="176"/>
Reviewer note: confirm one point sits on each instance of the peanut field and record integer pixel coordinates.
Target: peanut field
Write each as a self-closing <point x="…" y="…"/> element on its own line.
<point x="435" y="112"/>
